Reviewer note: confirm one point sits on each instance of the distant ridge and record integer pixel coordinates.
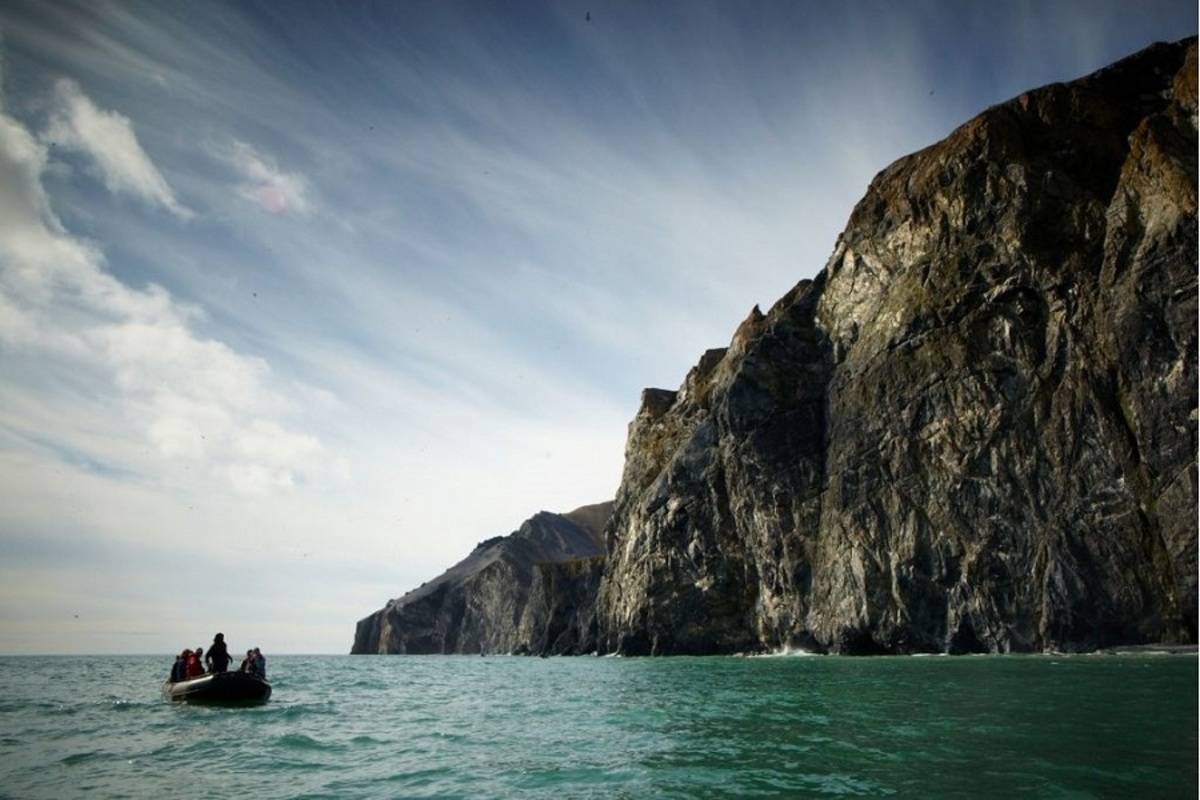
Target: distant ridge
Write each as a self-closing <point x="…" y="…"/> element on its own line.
<point x="481" y="603"/>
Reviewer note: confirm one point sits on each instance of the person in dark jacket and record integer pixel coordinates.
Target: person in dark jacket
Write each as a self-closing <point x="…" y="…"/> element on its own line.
<point x="179" y="670"/>
<point x="247" y="663"/>
<point x="218" y="656"/>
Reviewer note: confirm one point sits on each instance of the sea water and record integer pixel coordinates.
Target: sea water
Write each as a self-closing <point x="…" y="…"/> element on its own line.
<point x="445" y="726"/>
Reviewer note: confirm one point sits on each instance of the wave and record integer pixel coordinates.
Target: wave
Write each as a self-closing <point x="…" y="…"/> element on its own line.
<point x="80" y="758"/>
<point x="786" y="651"/>
<point x="295" y="711"/>
<point x="299" y="741"/>
<point x="367" y="739"/>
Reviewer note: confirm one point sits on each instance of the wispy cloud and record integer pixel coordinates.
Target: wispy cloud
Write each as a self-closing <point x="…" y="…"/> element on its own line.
<point x="107" y="138"/>
<point x="193" y="397"/>
<point x="265" y="184"/>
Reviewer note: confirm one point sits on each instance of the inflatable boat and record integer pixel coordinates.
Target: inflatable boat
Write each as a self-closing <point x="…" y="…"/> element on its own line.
<point x="220" y="687"/>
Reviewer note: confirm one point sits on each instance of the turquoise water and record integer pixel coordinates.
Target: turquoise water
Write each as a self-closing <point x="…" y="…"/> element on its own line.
<point x="432" y="726"/>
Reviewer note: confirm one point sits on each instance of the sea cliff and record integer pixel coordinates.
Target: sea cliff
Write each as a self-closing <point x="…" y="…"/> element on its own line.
<point x="974" y="430"/>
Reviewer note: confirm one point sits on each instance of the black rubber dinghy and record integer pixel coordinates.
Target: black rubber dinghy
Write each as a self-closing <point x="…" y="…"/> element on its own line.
<point x="220" y="687"/>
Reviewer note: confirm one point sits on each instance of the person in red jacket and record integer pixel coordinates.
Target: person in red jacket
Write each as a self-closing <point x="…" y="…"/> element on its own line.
<point x="195" y="664"/>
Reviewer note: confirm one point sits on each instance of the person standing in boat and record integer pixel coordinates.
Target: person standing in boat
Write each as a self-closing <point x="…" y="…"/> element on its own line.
<point x="218" y="655"/>
<point x="179" y="670"/>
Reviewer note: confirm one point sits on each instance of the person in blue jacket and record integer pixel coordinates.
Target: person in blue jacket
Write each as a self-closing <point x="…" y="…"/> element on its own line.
<point x="260" y="664"/>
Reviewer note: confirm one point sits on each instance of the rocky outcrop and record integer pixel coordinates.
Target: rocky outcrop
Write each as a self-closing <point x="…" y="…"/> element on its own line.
<point x="975" y="430"/>
<point x="511" y="594"/>
<point x="560" y="615"/>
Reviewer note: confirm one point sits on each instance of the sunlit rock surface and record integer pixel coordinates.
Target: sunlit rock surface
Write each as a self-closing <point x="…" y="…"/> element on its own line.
<point x="975" y="430"/>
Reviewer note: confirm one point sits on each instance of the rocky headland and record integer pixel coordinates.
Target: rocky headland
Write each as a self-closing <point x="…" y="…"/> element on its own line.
<point x="973" y="431"/>
<point x="515" y="593"/>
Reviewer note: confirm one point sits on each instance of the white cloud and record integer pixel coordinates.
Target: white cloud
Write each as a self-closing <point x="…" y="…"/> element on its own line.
<point x="192" y="398"/>
<point x="107" y="137"/>
<point x="265" y="184"/>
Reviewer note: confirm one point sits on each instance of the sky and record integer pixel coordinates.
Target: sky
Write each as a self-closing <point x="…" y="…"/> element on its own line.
<point x="300" y="301"/>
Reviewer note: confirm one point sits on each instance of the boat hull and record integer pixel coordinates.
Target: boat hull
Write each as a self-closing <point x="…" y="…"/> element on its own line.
<point x="237" y="688"/>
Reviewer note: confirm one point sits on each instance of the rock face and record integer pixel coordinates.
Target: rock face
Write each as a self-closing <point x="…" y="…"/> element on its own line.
<point x="511" y="594"/>
<point x="975" y="430"/>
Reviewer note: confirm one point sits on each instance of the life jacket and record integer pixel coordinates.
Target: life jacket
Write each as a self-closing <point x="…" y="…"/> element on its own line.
<point x="194" y="669"/>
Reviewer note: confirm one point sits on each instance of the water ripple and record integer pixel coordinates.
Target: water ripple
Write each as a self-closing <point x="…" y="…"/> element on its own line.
<point x="595" y="727"/>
